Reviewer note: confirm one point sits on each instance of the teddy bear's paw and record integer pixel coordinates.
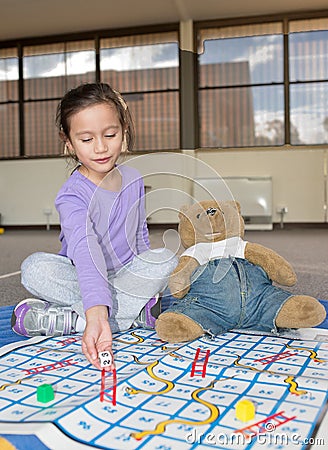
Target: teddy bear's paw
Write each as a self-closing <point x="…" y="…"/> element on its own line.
<point x="285" y="276"/>
<point x="179" y="288"/>
<point x="301" y="311"/>
<point x="179" y="293"/>
<point x="176" y="327"/>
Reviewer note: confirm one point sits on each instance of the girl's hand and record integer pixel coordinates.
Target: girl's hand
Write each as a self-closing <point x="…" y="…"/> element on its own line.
<point x="97" y="336"/>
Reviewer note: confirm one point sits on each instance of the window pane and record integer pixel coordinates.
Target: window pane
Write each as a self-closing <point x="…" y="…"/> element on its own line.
<point x="316" y="24"/>
<point x="250" y="29"/>
<point x="156" y="119"/>
<point x="50" y="70"/>
<point x="41" y="135"/>
<point x="309" y="113"/>
<point x="142" y="80"/>
<point x="145" y="69"/>
<point x="8" y="75"/>
<point x="242" y="117"/>
<point x="241" y="76"/>
<point x="9" y="137"/>
<point x="132" y="67"/>
<point x="243" y="60"/>
<point x="308" y="56"/>
<point x="269" y="115"/>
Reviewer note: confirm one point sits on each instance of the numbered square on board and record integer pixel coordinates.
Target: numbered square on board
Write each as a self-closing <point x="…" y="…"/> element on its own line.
<point x="105" y="359"/>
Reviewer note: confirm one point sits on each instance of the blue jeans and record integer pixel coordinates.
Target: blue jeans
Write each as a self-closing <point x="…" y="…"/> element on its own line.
<point x="53" y="278"/>
<point x="228" y="294"/>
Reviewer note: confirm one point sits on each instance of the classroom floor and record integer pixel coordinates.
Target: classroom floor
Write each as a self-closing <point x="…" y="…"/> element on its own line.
<point x="305" y="248"/>
<point x="168" y="396"/>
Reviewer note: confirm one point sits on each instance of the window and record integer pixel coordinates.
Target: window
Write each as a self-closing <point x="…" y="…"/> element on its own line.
<point x="261" y="82"/>
<point x="48" y="72"/>
<point x="241" y="90"/>
<point x="9" y="110"/>
<point x="35" y="75"/>
<point x="308" y="68"/>
<point x="258" y="89"/>
<point x="145" y="69"/>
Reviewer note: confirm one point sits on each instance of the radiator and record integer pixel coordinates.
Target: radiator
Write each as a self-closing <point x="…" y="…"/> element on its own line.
<point x="253" y="193"/>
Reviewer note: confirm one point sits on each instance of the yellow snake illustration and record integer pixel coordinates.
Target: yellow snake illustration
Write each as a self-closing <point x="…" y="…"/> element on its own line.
<point x="169" y="384"/>
<point x="137" y="360"/>
<point x="139" y="339"/>
<point x="236" y="363"/>
<point x="166" y="348"/>
<point x="175" y="355"/>
<point x="293" y="386"/>
<point x="214" y="413"/>
<point x="4" y="386"/>
<point x="312" y="354"/>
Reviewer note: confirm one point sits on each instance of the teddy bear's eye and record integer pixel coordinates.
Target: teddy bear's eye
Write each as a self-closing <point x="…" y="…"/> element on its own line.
<point x="211" y="211"/>
<point x="198" y="216"/>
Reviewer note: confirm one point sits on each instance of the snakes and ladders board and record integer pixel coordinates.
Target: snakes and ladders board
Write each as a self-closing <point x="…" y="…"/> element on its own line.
<point x="168" y="396"/>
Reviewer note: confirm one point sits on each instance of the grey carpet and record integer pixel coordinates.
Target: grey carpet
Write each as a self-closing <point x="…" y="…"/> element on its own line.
<point x="305" y="248"/>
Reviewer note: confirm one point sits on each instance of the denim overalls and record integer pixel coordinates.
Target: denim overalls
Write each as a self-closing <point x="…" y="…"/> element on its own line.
<point x="231" y="293"/>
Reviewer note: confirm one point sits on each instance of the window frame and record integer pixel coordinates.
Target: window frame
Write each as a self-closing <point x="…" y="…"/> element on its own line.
<point x="189" y="131"/>
<point x="285" y="19"/>
<point x="96" y="36"/>
<point x="146" y="91"/>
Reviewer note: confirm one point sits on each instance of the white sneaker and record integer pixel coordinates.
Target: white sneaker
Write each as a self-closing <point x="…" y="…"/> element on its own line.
<point x="35" y="317"/>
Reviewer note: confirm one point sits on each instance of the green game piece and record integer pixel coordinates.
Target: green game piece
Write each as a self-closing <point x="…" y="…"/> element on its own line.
<point x="45" y="393"/>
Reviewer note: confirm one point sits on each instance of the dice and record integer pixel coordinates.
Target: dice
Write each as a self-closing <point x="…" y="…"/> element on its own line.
<point x="105" y="359"/>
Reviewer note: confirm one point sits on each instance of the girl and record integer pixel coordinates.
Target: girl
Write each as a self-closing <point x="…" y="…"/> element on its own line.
<point x="105" y="272"/>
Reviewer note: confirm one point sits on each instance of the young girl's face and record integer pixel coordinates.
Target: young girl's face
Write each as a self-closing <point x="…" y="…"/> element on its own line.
<point x="96" y="138"/>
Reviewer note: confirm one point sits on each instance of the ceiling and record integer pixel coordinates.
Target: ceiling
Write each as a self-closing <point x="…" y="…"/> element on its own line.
<point x="33" y="18"/>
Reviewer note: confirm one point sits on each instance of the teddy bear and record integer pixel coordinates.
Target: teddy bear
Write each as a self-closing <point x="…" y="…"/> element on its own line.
<point x="223" y="282"/>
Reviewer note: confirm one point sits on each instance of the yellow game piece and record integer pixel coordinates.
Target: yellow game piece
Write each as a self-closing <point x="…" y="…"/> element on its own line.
<point x="2" y="230"/>
<point x="245" y="410"/>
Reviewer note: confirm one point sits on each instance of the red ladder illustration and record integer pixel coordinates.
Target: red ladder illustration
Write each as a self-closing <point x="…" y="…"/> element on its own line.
<point x="53" y="366"/>
<point x="199" y="364"/>
<point x="275" y="420"/>
<point x="108" y="386"/>
<point x="69" y="340"/>
<point x="277" y="357"/>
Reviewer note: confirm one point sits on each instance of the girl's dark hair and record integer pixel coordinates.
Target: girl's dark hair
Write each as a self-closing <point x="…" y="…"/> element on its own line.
<point x="90" y="94"/>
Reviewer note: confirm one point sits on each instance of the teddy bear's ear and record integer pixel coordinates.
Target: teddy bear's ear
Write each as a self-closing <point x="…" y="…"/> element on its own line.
<point x="235" y="205"/>
<point x="183" y="211"/>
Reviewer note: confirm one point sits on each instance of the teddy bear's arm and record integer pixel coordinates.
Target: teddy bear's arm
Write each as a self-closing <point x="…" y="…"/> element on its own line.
<point x="179" y="282"/>
<point x="277" y="268"/>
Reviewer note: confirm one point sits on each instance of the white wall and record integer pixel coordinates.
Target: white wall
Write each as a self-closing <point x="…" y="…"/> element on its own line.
<point x="298" y="178"/>
<point x="29" y="187"/>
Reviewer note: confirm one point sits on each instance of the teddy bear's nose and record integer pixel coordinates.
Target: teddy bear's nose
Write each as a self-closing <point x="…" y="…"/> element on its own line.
<point x="211" y="211"/>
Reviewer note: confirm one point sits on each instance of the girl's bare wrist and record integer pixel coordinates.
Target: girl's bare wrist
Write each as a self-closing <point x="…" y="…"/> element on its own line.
<point x="99" y="312"/>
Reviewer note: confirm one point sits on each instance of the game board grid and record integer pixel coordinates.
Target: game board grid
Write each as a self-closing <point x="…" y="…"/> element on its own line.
<point x="146" y="403"/>
<point x="148" y="352"/>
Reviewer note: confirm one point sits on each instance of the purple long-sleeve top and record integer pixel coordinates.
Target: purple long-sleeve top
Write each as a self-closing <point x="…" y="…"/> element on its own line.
<point x="101" y="230"/>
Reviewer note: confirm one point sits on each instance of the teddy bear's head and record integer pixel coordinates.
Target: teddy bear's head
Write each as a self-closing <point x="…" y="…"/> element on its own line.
<point x="210" y="221"/>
